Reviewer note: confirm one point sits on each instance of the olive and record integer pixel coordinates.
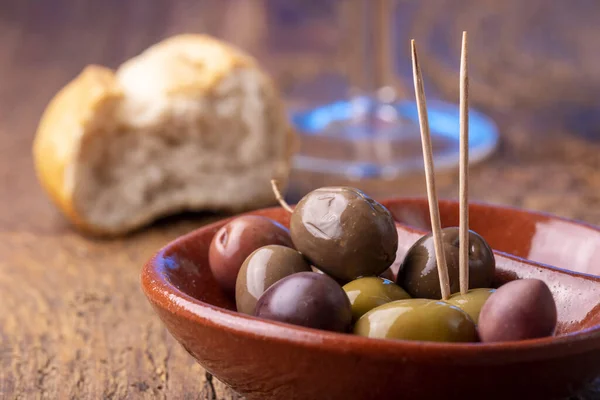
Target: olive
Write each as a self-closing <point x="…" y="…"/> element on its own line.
<point x="344" y="233"/>
<point x="388" y="274"/>
<point x="235" y="241"/>
<point x="471" y="302"/>
<point x="417" y="319"/>
<point x="418" y="274"/>
<point x="318" y="271"/>
<point x="263" y="268"/>
<point x="307" y="299"/>
<point x="518" y="310"/>
<point x="367" y="293"/>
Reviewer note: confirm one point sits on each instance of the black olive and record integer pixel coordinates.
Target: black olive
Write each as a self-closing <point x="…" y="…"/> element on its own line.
<point x="418" y="274"/>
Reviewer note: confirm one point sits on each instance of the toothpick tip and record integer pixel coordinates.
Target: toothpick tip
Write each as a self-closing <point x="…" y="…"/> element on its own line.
<point x="413" y="52"/>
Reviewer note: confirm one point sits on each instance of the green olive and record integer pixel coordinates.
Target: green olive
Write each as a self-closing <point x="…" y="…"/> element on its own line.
<point x="471" y="302"/>
<point x="417" y="319"/>
<point x="367" y="293"/>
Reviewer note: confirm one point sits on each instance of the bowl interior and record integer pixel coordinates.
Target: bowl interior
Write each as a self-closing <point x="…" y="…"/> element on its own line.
<point x="534" y="236"/>
<point x="184" y="264"/>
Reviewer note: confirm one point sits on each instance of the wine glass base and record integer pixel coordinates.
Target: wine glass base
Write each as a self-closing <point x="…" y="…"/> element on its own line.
<point x="332" y="143"/>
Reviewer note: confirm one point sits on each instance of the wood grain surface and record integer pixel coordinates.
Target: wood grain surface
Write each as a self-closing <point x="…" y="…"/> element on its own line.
<point x="73" y="320"/>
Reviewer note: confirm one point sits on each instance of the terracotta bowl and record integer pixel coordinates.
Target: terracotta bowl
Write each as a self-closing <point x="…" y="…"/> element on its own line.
<point x="268" y="360"/>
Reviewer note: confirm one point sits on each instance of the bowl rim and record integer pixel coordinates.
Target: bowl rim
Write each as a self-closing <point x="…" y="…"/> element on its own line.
<point x="164" y="295"/>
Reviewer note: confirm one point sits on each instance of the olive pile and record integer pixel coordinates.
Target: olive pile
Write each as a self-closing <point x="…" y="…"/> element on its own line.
<point x="330" y="271"/>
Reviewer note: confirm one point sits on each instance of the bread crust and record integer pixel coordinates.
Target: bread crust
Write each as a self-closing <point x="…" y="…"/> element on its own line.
<point x="71" y="113"/>
<point x="60" y="132"/>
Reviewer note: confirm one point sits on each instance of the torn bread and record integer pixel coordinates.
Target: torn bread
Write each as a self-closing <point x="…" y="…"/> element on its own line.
<point x="190" y="124"/>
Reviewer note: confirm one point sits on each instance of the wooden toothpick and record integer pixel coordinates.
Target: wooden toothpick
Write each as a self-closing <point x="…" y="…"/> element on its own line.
<point x="381" y="25"/>
<point x="463" y="260"/>
<point x="434" y="211"/>
<point x="279" y="197"/>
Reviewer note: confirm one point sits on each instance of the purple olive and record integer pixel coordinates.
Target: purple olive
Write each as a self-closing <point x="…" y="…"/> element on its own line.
<point x="235" y="241"/>
<point x="519" y="310"/>
<point x="307" y="299"/>
<point x="263" y="268"/>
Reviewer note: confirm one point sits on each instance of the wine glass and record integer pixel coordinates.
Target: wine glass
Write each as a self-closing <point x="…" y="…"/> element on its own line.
<point x="357" y="119"/>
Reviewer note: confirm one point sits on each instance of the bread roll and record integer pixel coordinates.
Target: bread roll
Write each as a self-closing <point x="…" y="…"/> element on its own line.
<point x="190" y="124"/>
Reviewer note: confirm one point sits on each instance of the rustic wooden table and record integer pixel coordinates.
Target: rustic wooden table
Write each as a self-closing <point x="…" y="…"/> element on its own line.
<point x="73" y="320"/>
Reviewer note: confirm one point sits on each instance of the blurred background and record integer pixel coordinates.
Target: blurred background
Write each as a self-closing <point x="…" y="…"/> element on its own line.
<point x="534" y="71"/>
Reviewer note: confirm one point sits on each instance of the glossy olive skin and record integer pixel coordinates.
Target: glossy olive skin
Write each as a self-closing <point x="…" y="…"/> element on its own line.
<point x="417" y="319"/>
<point x="262" y="269"/>
<point x="307" y="299"/>
<point x="518" y="310"/>
<point x="235" y="241"/>
<point x="471" y="302"/>
<point x="318" y="271"/>
<point x="418" y="274"/>
<point x="367" y="293"/>
<point x="344" y="233"/>
<point x="388" y="274"/>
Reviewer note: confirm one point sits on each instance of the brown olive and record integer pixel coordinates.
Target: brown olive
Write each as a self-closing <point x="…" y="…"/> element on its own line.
<point x="263" y="268"/>
<point x="518" y="310"/>
<point x="471" y="302"/>
<point x="307" y="299"/>
<point x="417" y="319"/>
<point x="388" y="274"/>
<point x="367" y="293"/>
<point x="418" y="274"/>
<point x="318" y="271"/>
<point x="344" y="233"/>
<point x="234" y="242"/>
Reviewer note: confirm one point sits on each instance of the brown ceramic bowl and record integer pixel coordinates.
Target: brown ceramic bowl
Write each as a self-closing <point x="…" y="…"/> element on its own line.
<point x="267" y="360"/>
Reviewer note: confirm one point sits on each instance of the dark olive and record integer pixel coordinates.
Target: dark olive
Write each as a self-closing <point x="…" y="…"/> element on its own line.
<point x="235" y="241"/>
<point x="518" y="310"/>
<point x="367" y="293"/>
<point x="418" y="274"/>
<point x="307" y="299"/>
<point x="344" y="233"/>
<point x="388" y="274"/>
<point x="471" y="302"/>
<point x="263" y="268"/>
<point x="318" y="271"/>
<point x="417" y="319"/>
